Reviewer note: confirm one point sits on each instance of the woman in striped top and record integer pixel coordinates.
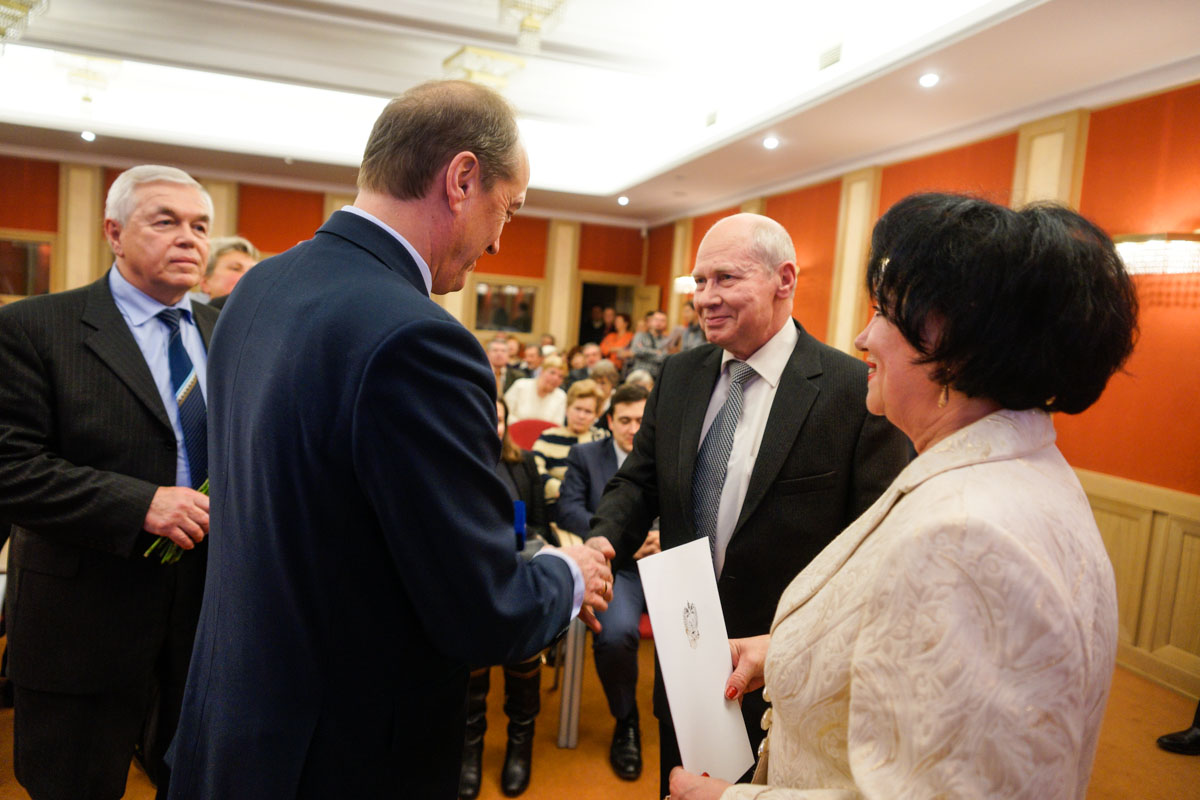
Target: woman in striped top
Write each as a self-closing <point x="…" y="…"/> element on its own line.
<point x="551" y="448"/>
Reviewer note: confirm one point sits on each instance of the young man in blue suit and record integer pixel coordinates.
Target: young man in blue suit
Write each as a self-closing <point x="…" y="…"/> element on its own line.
<point x="589" y="468"/>
<point x="362" y="549"/>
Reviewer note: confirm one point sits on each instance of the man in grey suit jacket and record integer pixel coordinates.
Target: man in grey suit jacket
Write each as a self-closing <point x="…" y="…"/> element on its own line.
<point x="803" y="460"/>
<point x="93" y="469"/>
<point x="363" y="557"/>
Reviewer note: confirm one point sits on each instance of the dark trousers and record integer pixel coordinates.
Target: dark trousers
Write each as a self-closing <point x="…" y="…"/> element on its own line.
<point x="75" y="747"/>
<point x="616" y="645"/>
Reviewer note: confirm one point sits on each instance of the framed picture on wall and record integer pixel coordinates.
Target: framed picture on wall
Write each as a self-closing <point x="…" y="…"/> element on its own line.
<point x="502" y="304"/>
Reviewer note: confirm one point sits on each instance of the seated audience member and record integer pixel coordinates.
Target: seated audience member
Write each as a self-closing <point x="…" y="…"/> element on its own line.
<point x="615" y="346"/>
<point x="548" y="339"/>
<point x="540" y="397"/>
<point x="229" y="258"/>
<point x="551" y="448"/>
<point x="589" y="467"/>
<point x="506" y="376"/>
<point x="958" y="639"/>
<point x="642" y="378"/>
<point x="576" y="365"/>
<point x="649" y="347"/>
<point x="514" y="351"/>
<point x="607" y="378"/>
<point x="522" y="680"/>
<point x="532" y="363"/>
<point x="687" y="335"/>
<point x="591" y="355"/>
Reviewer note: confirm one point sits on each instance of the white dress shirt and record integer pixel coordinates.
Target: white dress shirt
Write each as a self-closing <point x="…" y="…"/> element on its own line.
<point x="758" y="395"/>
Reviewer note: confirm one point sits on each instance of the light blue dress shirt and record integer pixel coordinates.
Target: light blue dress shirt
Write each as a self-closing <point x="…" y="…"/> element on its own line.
<point x="152" y="336"/>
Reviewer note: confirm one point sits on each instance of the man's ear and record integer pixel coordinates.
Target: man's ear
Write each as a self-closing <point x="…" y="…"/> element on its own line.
<point x="462" y="179"/>
<point x="112" y="233"/>
<point x="787" y="279"/>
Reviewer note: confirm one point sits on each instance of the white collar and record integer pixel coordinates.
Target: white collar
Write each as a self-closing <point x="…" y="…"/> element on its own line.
<point x="426" y="275"/>
<point x="770" y="360"/>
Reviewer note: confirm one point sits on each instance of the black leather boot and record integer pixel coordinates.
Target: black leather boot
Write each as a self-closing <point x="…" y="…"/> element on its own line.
<point x="470" y="775"/>
<point x="522" y="701"/>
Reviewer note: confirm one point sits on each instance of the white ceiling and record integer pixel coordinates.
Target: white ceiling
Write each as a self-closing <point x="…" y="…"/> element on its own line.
<point x="665" y="101"/>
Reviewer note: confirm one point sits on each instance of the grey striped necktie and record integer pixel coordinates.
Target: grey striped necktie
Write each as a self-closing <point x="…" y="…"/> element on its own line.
<point x="713" y="459"/>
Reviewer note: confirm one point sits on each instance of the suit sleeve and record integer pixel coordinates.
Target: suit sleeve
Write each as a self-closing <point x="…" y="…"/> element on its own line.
<point x="41" y="490"/>
<point x="573" y="514"/>
<point x="630" y="502"/>
<point x="425" y="410"/>
<point x="880" y="453"/>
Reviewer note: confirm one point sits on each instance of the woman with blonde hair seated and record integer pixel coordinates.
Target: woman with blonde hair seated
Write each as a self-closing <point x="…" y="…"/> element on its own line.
<point x="958" y="639"/>
<point x="551" y="448"/>
<point x="540" y="397"/>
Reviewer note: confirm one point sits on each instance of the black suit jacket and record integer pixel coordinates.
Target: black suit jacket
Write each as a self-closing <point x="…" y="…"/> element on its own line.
<point x="362" y="550"/>
<point x="823" y="460"/>
<point x="84" y="443"/>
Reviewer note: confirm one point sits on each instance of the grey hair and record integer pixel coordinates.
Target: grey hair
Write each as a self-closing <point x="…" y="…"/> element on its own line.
<point x="120" y="201"/>
<point x="228" y="244"/>
<point x="640" y="377"/>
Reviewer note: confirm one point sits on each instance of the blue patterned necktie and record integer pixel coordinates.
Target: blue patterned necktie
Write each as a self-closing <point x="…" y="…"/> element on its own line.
<point x="713" y="459"/>
<point x="193" y="417"/>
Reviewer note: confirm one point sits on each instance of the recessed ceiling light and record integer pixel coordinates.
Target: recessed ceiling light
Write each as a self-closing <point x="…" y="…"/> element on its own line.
<point x="87" y="136"/>
<point x="929" y="80"/>
<point x="770" y="142"/>
<point x="622" y="200"/>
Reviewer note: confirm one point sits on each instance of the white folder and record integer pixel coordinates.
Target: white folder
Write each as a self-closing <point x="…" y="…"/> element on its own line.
<point x="693" y="652"/>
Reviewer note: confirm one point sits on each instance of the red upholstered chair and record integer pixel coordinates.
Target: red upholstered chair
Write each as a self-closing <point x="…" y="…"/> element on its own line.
<point x="524" y="432"/>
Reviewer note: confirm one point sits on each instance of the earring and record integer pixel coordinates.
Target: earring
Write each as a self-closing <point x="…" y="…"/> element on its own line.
<point x="945" y="396"/>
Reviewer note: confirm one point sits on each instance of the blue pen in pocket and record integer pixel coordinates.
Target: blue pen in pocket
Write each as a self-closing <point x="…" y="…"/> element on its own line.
<point x="519" y="523"/>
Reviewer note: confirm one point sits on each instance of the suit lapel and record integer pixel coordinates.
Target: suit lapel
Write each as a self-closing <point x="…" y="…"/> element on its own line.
<point x="112" y="342"/>
<point x="694" y="410"/>
<point x="793" y="400"/>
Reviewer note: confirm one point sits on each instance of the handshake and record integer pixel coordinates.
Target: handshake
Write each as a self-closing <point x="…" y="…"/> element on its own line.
<point x="594" y="559"/>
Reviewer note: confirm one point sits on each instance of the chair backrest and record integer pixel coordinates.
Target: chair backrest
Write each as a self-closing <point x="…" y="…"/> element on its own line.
<point x="525" y="432"/>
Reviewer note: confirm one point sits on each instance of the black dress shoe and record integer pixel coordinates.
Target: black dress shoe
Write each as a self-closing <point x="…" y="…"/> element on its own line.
<point x="471" y="774"/>
<point x="625" y="755"/>
<point x="1185" y="742"/>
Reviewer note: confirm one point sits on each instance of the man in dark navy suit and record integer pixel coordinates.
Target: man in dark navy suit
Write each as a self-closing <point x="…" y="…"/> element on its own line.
<point x="589" y="468"/>
<point x="362" y="549"/>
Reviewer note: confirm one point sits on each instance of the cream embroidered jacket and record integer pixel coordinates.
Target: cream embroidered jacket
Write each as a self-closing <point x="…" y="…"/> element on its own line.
<point x="957" y="640"/>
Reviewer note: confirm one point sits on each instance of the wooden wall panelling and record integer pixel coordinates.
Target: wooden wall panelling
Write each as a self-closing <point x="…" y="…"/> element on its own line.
<point x="857" y="212"/>
<point x="1152" y="535"/>
<point x="1050" y="156"/>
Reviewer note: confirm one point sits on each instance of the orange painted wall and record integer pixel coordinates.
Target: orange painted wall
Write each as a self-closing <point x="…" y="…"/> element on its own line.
<point x="811" y="217"/>
<point x="700" y="226"/>
<point x="983" y="168"/>
<point x="277" y="219"/>
<point x="658" y="261"/>
<point x="605" y="248"/>
<point x="1142" y="175"/>
<point x="523" y="245"/>
<point x="29" y="200"/>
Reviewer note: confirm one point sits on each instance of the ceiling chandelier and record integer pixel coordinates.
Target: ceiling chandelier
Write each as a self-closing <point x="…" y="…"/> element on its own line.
<point x="14" y="16"/>
<point x="532" y="18"/>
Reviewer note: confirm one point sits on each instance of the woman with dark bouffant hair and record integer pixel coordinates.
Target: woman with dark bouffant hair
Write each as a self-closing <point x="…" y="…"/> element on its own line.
<point x="523" y="680"/>
<point x="958" y="639"/>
